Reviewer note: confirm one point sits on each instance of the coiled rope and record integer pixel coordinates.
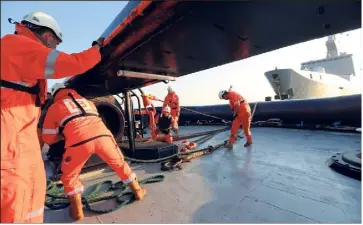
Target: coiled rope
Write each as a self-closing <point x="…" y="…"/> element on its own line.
<point x="55" y="198"/>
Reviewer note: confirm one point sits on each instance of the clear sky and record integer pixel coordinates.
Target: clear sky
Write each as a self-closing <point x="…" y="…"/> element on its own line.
<point x="83" y="22"/>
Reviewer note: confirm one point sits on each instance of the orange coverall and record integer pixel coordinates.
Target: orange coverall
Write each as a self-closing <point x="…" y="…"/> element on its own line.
<point x="84" y="136"/>
<point x="165" y="123"/>
<point x="25" y="60"/>
<point x="155" y="131"/>
<point x="239" y="105"/>
<point x="172" y="100"/>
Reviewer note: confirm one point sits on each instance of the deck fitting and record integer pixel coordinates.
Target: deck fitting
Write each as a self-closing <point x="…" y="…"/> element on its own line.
<point x="348" y="164"/>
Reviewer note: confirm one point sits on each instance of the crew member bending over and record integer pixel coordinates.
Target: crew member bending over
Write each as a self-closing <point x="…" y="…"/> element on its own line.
<point x="241" y="116"/>
<point x="76" y="119"/>
<point x="172" y="100"/>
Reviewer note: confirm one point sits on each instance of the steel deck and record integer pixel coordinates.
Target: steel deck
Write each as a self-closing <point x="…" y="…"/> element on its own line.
<point x="282" y="178"/>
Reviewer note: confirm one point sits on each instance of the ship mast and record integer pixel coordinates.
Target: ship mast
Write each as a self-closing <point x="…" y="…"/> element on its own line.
<point x="331" y="47"/>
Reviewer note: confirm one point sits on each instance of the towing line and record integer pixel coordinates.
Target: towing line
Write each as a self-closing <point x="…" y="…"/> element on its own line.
<point x="202" y="140"/>
<point x="225" y="121"/>
<point x="215" y="117"/>
<point x="176" y="162"/>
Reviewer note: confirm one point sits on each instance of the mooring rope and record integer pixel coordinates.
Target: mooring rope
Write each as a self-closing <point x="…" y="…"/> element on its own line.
<point x="55" y="198"/>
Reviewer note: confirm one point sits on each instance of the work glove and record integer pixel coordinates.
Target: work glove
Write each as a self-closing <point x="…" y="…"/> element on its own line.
<point x="99" y="41"/>
<point x="151" y="97"/>
<point x="104" y="50"/>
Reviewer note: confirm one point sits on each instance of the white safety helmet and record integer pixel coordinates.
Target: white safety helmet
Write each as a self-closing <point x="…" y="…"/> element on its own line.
<point x="166" y="109"/>
<point x="44" y="20"/>
<point x="221" y="93"/>
<point x="56" y="87"/>
<point x="170" y="89"/>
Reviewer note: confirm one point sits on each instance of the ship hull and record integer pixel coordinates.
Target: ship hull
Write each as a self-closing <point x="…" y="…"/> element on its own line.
<point x="295" y="84"/>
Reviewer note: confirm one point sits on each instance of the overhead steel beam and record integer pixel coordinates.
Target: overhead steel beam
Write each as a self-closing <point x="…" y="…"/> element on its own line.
<point x="125" y="73"/>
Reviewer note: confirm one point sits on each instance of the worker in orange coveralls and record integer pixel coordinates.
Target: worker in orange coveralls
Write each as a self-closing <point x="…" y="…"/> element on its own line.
<point x="28" y="58"/>
<point x="165" y="123"/>
<point x="172" y="100"/>
<point x="159" y="124"/>
<point x="76" y="119"/>
<point x="241" y="116"/>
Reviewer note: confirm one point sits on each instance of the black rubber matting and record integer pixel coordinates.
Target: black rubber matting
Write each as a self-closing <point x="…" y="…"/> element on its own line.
<point x="153" y="150"/>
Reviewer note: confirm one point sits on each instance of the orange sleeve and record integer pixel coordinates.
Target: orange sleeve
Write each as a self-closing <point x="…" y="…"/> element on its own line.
<point x="50" y="131"/>
<point x="233" y="100"/>
<point x="165" y="101"/>
<point x="76" y="63"/>
<point x="177" y="103"/>
<point x="145" y="100"/>
<point x="157" y="119"/>
<point x="173" y="122"/>
<point x="154" y="110"/>
<point x="41" y="62"/>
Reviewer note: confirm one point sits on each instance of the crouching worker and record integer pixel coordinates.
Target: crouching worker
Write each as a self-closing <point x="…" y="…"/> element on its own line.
<point x="241" y="116"/>
<point x="76" y="119"/>
<point x="164" y="125"/>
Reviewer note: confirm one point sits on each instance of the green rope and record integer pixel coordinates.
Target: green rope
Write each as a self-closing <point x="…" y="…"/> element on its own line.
<point x="55" y="198"/>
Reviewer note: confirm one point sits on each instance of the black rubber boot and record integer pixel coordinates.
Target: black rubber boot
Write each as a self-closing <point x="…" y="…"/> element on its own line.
<point x="248" y="144"/>
<point x="229" y="145"/>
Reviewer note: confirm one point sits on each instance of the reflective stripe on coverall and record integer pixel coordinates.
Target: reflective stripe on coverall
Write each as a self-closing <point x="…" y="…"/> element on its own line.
<point x="80" y="140"/>
<point x="172" y="100"/>
<point x="25" y="60"/>
<point x="238" y="104"/>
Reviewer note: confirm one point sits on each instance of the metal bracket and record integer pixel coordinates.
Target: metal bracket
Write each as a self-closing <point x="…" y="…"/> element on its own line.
<point x="125" y="73"/>
<point x="130" y="118"/>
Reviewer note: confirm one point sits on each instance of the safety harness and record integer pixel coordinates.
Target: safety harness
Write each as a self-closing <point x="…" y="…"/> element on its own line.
<point x="35" y="90"/>
<point x="57" y="150"/>
<point x="83" y="114"/>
